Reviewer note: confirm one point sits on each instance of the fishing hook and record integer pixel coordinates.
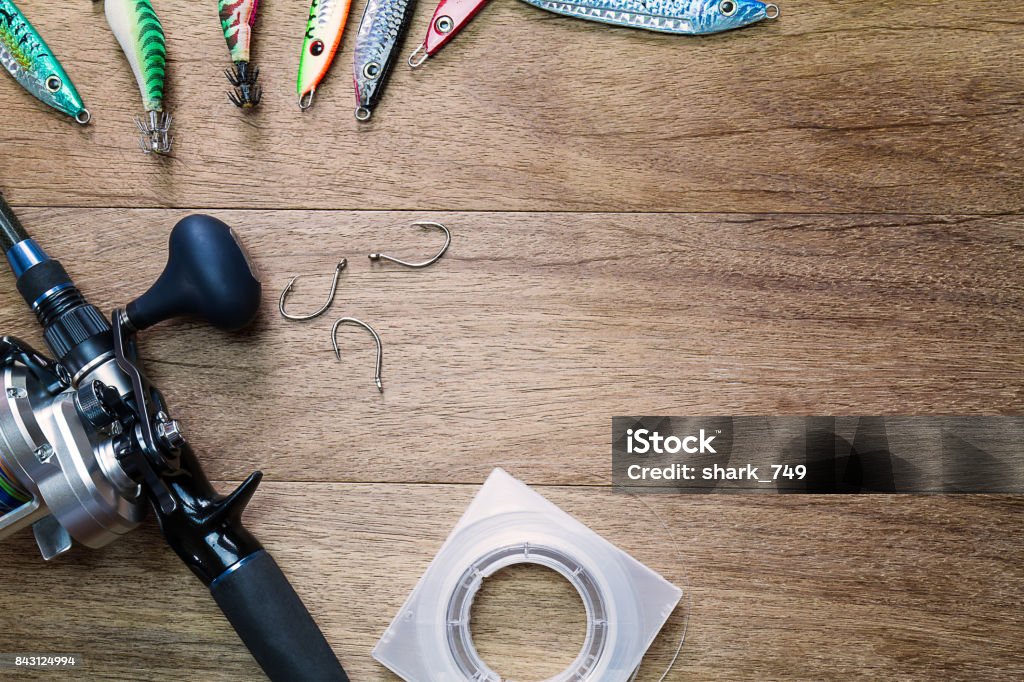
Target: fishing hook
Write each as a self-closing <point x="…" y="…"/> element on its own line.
<point x="247" y="92"/>
<point x="423" y="223"/>
<point x="376" y="337"/>
<point x="155" y="129"/>
<point x="323" y="308"/>
<point x="415" y="60"/>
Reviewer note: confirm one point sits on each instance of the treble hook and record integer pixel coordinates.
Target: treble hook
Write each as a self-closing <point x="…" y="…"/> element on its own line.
<point x="323" y="308"/>
<point x="423" y="223"/>
<point x="376" y="337"/>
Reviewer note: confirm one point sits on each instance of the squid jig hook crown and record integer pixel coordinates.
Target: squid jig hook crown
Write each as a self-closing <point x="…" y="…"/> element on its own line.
<point x="156" y="137"/>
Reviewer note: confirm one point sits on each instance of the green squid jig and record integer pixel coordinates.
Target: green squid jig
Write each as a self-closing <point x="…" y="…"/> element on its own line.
<point x="237" y="18"/>
<point x="26" y="56"/>
<point x="138" y="30"/>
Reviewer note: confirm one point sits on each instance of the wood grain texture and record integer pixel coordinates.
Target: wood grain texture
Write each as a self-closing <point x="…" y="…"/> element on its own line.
<point x="839" y="106"/>
<point x="518" y="347"/>
<point x="830" y="225"/>
<point x="788" y="587"/>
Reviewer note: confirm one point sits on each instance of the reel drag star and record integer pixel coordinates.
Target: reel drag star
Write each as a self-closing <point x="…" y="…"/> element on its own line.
<point x="87" y="443"/>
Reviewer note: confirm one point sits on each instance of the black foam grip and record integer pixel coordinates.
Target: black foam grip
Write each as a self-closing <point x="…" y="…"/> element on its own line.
<point x="273" y="622"/>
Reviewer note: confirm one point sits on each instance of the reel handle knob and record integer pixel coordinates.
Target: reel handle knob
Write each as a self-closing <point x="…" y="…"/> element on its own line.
<point x="208" y="275"/>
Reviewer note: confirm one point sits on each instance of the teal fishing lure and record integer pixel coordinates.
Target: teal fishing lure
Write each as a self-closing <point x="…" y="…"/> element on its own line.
<point x="26" y="56"/>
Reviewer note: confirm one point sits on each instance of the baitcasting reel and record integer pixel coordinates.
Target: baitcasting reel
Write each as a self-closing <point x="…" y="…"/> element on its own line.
<point x="87" y="443"/>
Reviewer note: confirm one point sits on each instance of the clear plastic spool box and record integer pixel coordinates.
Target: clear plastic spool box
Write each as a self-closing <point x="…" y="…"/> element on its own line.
<point x="507" y="523"/>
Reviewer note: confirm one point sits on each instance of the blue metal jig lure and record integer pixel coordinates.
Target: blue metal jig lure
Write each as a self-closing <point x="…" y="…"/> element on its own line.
<point x="666" y="16"/>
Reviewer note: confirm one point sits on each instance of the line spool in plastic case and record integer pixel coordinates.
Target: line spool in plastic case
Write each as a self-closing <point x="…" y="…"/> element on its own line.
<point x="507" y="523"/>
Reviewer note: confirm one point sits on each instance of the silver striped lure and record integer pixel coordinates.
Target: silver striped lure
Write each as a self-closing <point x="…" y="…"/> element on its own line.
<point x="380" y="33"/>
<point x="694" y="17"/>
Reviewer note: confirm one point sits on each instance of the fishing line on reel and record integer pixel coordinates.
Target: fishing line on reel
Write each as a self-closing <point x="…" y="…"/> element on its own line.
<point x="12" y="494"/>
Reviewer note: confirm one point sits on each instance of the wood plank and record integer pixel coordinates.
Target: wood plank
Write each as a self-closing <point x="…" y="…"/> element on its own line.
<point x="518" y="347"/>
<point x="782" y="587"/>
<point x="859" y="106"/>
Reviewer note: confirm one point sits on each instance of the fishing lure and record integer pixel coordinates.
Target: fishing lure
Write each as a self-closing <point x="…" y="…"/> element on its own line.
<point x="138" y="30"/>
<point x="381" y="29"/>
<point x="693" y="17"/>
<point x="237" y="18"/>
<point x="26" y="56"/>
<point x="450" y="17"/>
<point x="327" y="19"/>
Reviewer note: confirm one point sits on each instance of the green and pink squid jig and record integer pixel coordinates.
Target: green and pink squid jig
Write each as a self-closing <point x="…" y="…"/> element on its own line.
<point x="237" y="18"/>
<point x="26" y="56"/>
<point x="138" y="30"/>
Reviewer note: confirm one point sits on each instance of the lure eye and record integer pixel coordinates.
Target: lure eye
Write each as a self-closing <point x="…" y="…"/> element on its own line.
<point x="53" y="84"/>
<point x="316" y="48"/>
<point x="371" y="70"/>
<point x="444" y="24"/>
<point x="728" y="7"/>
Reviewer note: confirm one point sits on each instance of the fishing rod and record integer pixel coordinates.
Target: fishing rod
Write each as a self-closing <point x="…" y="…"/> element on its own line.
<point x="87" y="443"/>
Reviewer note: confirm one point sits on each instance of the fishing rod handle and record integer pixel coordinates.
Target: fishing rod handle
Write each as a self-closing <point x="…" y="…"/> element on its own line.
<point x="275" y="625"/>
<point x="205" y="530"/>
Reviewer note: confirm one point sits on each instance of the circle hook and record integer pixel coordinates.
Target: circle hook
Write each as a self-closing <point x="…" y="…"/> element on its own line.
<point x="376" y="338"/>
<point x="316" y="313"/>
<point x="426" y="224"/>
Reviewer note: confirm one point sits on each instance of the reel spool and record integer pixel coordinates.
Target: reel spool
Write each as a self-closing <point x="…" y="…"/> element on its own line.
<point x="63" y="470"/>
<point x="12" y="495"/>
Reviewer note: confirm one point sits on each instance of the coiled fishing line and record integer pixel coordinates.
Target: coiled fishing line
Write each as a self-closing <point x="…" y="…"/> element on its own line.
<point x="507" y="523"/>
<point x="460" y="637"/>
<point x="12" y="494"/>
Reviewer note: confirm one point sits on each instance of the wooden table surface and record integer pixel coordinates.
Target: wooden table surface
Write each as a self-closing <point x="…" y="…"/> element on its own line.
<point x="816" y="215"/>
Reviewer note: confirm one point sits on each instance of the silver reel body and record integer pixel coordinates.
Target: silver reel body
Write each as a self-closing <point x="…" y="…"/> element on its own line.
<point x="69" y="468"/>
